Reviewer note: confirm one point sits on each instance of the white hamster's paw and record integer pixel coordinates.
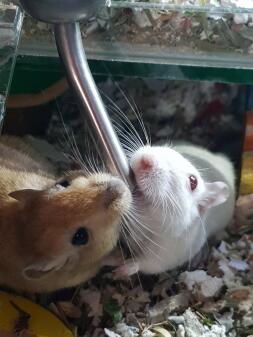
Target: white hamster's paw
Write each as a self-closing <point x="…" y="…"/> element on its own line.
<point x="199" y="259"/>
<point x="244" y="211"/>
<point x="127" y="269"/>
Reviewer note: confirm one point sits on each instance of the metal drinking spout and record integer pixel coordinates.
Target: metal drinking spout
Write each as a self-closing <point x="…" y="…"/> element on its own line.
<point x="64" y="14"/>
<point x="59" y="11"/>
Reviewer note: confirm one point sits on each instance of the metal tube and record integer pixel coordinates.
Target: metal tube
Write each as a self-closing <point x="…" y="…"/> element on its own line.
<point x="70" y="48"/>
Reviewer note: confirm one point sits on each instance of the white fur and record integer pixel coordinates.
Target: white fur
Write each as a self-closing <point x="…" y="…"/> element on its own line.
<point x="176" y="221"/>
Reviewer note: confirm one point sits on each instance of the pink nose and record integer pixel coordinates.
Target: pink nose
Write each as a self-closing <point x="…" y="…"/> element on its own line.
<point x="145" y="164"/>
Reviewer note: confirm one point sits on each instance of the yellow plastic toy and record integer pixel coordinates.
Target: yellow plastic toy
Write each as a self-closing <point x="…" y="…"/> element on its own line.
<point x="246" y="185"/>
<point x="21" y="317"/>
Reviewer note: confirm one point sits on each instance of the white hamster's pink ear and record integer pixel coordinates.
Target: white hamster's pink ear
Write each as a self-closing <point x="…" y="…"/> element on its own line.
<point x="216" y="193"/>
<point x="38" y="271"/>
<point x="25" y="195"/>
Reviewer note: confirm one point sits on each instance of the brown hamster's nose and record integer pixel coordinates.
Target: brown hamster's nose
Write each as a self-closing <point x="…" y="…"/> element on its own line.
<point x="115" y="188"/>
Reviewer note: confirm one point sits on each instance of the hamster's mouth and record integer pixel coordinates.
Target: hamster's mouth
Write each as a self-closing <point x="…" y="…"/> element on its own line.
<point x="143" y="195"/>
<point x="138" y="193"/>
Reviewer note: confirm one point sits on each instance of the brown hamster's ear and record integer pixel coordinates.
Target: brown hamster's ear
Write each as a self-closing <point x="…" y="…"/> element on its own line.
<point x="38" y="271"/>
<point x="25" y="195"/>
<point x="216" y="193"/>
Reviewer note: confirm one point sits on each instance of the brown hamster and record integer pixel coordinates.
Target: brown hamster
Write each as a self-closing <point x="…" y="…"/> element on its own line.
<point x="55" y="233"/>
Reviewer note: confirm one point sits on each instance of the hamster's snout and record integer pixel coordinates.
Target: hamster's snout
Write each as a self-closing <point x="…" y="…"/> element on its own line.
<point x="143" y="164"/>
<point x="114" y="190"/>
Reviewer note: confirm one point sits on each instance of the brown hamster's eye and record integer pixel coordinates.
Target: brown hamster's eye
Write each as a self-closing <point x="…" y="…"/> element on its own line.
<point x="63" y="183"/>
<point x="193" y="182"/>
<point x="81" y="237"/>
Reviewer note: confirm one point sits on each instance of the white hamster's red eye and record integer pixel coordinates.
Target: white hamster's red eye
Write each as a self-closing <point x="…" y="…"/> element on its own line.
<point x="193" y="182"/>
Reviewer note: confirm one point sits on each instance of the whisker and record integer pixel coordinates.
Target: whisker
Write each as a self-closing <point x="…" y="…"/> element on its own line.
<point x="135" y="111"/>
<point x="134" y="261"/>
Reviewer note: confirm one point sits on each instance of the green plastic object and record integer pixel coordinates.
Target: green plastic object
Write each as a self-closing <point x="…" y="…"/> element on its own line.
<point x="49" y="70"/>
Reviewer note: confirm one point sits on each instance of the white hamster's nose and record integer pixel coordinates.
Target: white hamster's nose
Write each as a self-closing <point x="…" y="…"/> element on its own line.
<point x="144" y="164"/>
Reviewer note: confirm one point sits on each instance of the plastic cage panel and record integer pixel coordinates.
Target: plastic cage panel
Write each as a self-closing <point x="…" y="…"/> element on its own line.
<point x="10" y="28"/>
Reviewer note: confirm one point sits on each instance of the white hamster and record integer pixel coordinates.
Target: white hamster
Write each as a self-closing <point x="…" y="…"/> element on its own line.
<point x="186" y="194"/>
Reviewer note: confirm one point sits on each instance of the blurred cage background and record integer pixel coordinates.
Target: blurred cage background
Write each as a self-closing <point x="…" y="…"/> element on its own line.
<point x="205" y="113"/>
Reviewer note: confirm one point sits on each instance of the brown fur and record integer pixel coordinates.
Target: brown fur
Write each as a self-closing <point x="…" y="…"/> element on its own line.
<point x="39" y="219"/>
